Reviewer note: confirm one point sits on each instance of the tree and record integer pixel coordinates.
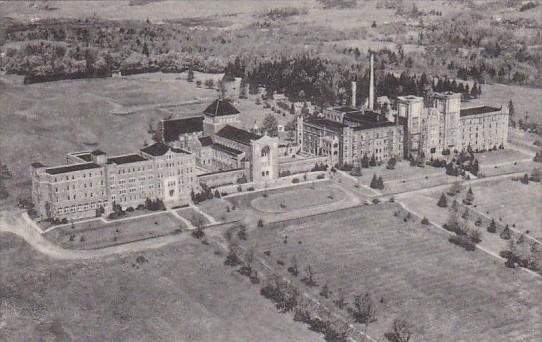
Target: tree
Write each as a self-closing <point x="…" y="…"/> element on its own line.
<point x="492" y="228"/>
<point x="3" y="191"/>
<point x="374" y="182"/>
<point x="380" y="183"/>
<point x="270" y="125"/>
<point x="505" y="234"/>
<point x="198" y="83"/>
<point x="469" y="198"/>
<point x="309" y="277"/>
<point x="511" y="109"/>
<point x="443" y="201"/>
<point x="372" y="162"/>
<point x="190" y="75"/>
<point x="365" y="161"/>
<point x="209" y="83"/>
<point x="391" y="163"/>
<point x="402" y="331"/>
<point x="373" y="24"/>
<point x="525" y="179"/>
<point x="364" y="309"/>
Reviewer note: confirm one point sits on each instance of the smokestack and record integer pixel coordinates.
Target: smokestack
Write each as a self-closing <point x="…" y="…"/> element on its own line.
<point x="371" y="85"/>
<point x="354" y="91"/>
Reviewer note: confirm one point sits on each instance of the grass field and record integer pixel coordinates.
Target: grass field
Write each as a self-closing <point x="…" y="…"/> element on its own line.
<point x="451" y="294"/>
<point x="514" y="202"/>
<point x="193" y="216"/>
<point x="297" y="198"/>
<point x="97" y="234"/>
<point x="181" y="292"/>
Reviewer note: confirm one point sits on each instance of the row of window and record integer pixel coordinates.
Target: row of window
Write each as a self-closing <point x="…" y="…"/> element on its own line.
<point x="82" y="207"/>
<point x="80" y="175"/>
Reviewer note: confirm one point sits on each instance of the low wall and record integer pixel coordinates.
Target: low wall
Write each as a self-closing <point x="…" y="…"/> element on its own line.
<point x="294" y="166"/>
<point x="221" y="178"/>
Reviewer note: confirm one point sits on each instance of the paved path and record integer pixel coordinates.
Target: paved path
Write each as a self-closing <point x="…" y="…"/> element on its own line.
<point x="203" y="213"/>
<point x="182" y="219"/>
<point x="19" y="226"/>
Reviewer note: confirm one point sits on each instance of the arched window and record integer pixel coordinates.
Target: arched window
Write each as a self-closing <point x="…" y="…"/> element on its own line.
<point x="266" y="151"/>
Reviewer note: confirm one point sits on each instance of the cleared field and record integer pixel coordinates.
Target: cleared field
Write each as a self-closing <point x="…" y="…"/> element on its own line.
<point x="525" y="99"/>
<point x="514" y="202"/>
<point x="45" y="121"/>
<point x="97" y="234"/>
<point x="492" y="158"/>
<point x="181" y="292"/>
<point x="410" y="270"/>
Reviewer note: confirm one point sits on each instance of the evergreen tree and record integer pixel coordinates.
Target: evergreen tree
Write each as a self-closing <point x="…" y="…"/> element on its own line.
<point x="190" y="75"/>
<point x="511" y="109"/>
<point x="374" y="182"/>
<point x="365" y="161"/>
<point x="372" y="162"/>
<point x="443" y="201"/>
<point x="506" y="235"/>
<point x="492" y="228"/>
<point x="380" y="183"/>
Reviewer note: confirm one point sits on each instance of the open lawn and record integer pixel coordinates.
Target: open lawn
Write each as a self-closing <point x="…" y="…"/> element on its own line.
<point x="514" y="202"/>
<point x="295" y="198"/>
<point x="410" y="270"/>
<point x="525" y="100"/>
<point x="43" y="122"/>
<point x="221" y="209"/>
<point x="180" y="292"/>
<point x="97" y="234"/>
<point x="193" y="216"/>
<point x="405" y="177"/>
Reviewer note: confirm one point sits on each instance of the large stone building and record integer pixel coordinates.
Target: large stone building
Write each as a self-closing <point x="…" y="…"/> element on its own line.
<point x="444" y="126"/>
<point x="91" y="181"/>
<point x="220" y="144"/>
<point x="346" y="134"/>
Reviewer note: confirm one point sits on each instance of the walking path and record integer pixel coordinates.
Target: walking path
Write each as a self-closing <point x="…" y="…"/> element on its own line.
<point x="203" y="213"/>
<point x="189" y="224"/>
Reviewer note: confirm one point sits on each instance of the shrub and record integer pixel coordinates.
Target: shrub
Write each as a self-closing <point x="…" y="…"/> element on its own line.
<point x="321" y="176"/>
<point x="475" y="236"/>
<point x="376" y="201"/>
<point x="260" y="223"/>
<point x="130" y="209"/>
<point x="425" y="221"/>
<point x="251" y="188"/>
<point x="463" y="241"/>
<point x="295" y="180"/>
<point x="505" y="234"/>
<point x="232" y="259"/>
<point x="198" y="233"/>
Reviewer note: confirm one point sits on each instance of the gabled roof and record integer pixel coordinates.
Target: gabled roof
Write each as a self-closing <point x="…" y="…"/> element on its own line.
<point x="175" y="127"/>
<point x="220" y="107"/>
<point x="159" y="149"/>
<point x="226" y="149"/>
<point x="129" y="158"/>
<point x="478" y="110"/>
<point x="71" y="168"/>
<point x="237" y="135"/>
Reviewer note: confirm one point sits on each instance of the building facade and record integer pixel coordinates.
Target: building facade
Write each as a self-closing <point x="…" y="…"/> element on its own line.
<point x="92" y="181"/>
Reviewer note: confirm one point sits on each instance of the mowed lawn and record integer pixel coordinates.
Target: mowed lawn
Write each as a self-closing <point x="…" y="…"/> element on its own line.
<point x="297" y="198"/>
<point x="182" y="292"/>
<point x="514" y="202"/>
<point x="410" y="270"/>
<point x="97" y="234"/>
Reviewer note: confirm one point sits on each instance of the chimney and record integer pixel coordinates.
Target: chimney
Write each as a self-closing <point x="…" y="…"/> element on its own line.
<point x="354" y="90"/>
<point x="371" y="85"/>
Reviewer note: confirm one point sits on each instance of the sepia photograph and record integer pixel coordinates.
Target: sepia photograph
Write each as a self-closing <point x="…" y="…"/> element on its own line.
<point x="271" y="170"/>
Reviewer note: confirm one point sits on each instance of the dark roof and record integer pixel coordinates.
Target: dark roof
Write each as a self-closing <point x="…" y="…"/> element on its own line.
<point x="130" y="158"/>
<point x="345" y="109"/>
<point x="71" y="168"/>
<point x="368" y="120"/>
<point x="329" y="124"/>
<point x="37" y="164"/>
<point x="159" y="149"/>
<point x="206" y="141"/>
<point x="226" y="149"/>
<point x="97" y="152"/>
<point x="84" y="156"/>
<point x="173" y="128"/>
<point x="237" y="135"/>
<point x="478" y="110"/>
<point x="220" y="107"/>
